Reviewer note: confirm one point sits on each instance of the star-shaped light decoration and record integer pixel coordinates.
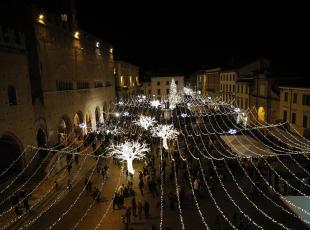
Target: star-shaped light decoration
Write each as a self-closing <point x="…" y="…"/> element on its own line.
<point x="120" y="103"/>
<point x="183" y="115"/>
<point x="232" y="131"/>
<point x="129" y="151"/>
<point x="126" y="114"/>
<point x="237" y="110"/>
<point x="165" y="132"/>
<point x="155" y="103"/>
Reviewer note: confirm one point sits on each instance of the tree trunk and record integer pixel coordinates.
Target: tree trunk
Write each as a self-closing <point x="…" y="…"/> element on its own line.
<point x="129" y="166"/>
<point x="165" y="145"/>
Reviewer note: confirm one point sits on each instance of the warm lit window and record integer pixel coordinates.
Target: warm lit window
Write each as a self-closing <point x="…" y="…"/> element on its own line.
<point x="40" y="19"/>
<point x="76" y="35"/>
<point x="12" y="95"/>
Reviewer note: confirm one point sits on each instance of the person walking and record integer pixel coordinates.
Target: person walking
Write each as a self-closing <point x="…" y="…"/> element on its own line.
<point x="15" y="203"/>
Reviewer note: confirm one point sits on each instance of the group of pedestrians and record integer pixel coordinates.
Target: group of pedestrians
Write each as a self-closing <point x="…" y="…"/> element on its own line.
<point x="17" y="199"/>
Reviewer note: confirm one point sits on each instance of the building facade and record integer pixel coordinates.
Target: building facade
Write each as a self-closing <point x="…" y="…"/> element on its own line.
<point x="160" y="85"/>
<point x="228" y="80"/>
<point x="64" y="82"/>
<point x="242" y="98"/>
<point x="127" y="79"/>
<point x="295" y="108"/>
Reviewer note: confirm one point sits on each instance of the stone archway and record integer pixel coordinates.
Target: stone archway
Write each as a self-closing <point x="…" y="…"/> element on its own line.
<point x="41" y="138"/>
<point x="78" y="118"/>
<point x="261" y="115"/>
<point x="64" y="128"/>
<point x="11" y="148"/>
<point x="88" y="122"/>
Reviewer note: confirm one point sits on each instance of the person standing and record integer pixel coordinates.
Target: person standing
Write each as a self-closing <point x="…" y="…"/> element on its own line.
<point x="141" y="185"/>
<point x="128" y="214"/>
<point x="134" y="207"/>
<point x="146" y="209"/>
<point x="139" y="210"/>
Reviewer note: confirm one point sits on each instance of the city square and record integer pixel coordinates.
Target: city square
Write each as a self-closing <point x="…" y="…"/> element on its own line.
<point x="91" y="141"/>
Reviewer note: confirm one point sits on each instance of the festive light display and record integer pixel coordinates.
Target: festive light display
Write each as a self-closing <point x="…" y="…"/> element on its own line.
<point x="166" y="132"/>
<point x="145" y="122"/>
<point x="173" y="98"/>
<point x="155" y="103"/>
<point x="129" y="151"/>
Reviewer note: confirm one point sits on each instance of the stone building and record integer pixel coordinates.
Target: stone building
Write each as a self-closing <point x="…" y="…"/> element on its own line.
<point x="16" y="110"/>
<point x="64" y="78"/>
<point x="295" y="107"/>
<point x="127" y="79"/>
<point x="228" y="80"/>
<point x="159" y="85"/>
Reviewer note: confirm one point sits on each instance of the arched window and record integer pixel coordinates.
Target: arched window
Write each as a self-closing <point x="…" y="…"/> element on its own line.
<point x="12" y="95"/>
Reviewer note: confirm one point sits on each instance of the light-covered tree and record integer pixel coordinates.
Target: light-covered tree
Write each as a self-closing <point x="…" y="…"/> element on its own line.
<point x="145" y="121"/>
<point x="166" y="132"/>
<point x="129" y="151"/>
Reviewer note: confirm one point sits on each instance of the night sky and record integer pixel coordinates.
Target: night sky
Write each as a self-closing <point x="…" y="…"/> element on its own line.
<point x="162" y="38"/>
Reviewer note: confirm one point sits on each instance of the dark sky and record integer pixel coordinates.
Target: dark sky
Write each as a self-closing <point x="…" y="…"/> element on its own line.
<point x="183" y="38"/>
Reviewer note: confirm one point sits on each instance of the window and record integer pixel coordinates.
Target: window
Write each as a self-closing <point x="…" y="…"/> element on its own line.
<point x="305" y="121"/>
<point x="246" y="103"/>
<point x="167" y="90"/>
<point x="229" y="88"/>
<point x="98" y="84"/>
<point x="158" y="83"/>
<point x="295" y="98"/>
<point x="286" y="96"/>
<point x="82" y="84"/>
<point x="63" y="85"/>
<point x="242" y="89"/>
<point x="221" y="87"/>
<point x="293" y="118"/>
<point x="238" y="89"/>
<point x="284" y="116"/>
<point x="176" y="82"/>
<point x="5" y="32"/>
<point x="167" y="82"/>
<point x="306" y="99"/>
<point x="150" y="92"/>
<point x="17" y="37"/>
<point x="241" y="103"/>
<point x="233" y="88"/>
<point x="158" y="91"/>
<point x="12" y="95"/>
